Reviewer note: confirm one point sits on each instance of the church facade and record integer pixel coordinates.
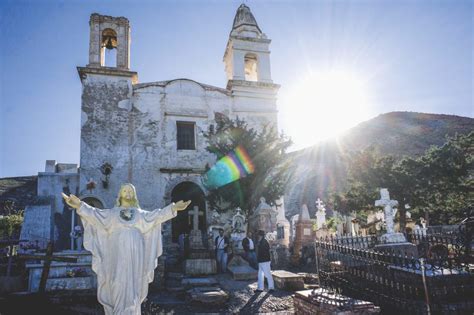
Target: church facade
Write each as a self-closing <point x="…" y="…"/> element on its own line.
<point x="151" y="134"/>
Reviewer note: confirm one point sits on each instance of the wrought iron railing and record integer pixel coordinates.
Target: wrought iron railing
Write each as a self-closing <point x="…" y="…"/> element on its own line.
<point x="434" y="282"/>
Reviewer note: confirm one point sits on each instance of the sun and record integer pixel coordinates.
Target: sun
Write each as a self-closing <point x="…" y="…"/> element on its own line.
<point x="323" y="105"/>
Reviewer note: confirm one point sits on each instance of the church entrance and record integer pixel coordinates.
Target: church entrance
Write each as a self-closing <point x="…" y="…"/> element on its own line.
<point x="183" y="222"/>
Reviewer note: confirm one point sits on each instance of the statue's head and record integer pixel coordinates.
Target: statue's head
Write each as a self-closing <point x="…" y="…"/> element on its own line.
<point x="127" y="193"/>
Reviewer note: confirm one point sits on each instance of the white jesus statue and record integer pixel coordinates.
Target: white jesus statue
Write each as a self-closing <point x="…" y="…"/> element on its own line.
<point x="125" y="243"/>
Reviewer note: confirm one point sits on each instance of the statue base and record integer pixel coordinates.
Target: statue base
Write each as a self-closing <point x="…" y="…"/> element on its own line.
<point x="200" y="266"/>
<point x="392" y="238"/>
<point x="396" y="243"/>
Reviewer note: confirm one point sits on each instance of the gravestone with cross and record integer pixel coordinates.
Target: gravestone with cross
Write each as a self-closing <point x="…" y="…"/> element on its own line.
<point x="195" y="213"/>
<point x="199" y="261"/>
<point x="320" y="213"/>
<point x="391" y="240"/>
<point x="389" y="208"/>
<point x="195" y="238"/>
<point x="47" y="258"/>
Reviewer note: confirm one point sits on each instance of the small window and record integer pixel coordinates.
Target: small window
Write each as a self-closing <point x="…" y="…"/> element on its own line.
<point x="185" y="135"/>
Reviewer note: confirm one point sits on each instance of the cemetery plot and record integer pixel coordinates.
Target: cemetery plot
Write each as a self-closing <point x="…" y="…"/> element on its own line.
<point x="398" y="282"/>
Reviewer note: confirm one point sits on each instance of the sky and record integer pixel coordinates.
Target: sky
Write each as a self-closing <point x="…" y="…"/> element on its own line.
<point x="338" y="63"/>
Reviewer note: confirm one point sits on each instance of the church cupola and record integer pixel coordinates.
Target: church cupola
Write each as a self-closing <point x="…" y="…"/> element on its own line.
<point x="247" y="55"/>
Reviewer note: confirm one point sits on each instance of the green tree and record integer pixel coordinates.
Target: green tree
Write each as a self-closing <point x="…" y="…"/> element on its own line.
<point x="10" y="225"/>
<point x="267" y="150"/>
<point x="438" y="184"/>
<point x="444" y="180"/>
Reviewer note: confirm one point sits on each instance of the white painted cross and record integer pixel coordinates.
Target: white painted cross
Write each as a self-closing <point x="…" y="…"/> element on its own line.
<point x="320" y="214"/>
<point x="195" y="213"/>
<point x="388" y="208"/>
<point x="319" y="203"/>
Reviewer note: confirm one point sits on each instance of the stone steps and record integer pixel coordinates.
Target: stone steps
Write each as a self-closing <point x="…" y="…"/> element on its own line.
<point x="173" y="282"/>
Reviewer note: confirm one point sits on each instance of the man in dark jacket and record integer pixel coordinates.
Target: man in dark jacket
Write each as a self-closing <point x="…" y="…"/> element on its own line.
<point x="264" y="260"/>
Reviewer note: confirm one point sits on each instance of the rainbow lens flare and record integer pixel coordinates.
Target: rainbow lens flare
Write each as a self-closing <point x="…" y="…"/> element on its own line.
<point x="235" y="165"/>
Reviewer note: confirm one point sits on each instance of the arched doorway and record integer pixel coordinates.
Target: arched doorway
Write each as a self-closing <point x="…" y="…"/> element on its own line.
<point x="183" y="222"/>
<point x="93" y="202"/>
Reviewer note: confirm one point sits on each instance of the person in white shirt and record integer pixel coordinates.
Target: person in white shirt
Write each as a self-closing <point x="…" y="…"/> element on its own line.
<point x="249" y="249"/>
<point x="264" y="261"/>
<point x="222" y="243"/>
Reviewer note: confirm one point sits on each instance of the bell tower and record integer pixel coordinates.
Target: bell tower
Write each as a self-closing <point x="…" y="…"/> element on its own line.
<point x="247" y="55"/>
<point x="247" y="67"/>
<point x="109" y="33"/>
<point x="106" y="106"/>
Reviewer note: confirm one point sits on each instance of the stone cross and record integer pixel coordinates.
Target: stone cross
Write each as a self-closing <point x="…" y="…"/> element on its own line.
<point x="47" y="258"/>
<point x="320" y="204"/>
<point x="320" y="214"/>
<point x="423" y="222"/>
<point x="195" y="213"/>
<point x="389" y="211"/>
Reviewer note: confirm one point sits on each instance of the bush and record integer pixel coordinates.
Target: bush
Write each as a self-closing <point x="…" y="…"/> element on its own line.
<point x="10" y="225"/>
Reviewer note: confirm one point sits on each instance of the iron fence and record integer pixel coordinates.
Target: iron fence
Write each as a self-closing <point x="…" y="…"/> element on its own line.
<point x="434" y="282"/>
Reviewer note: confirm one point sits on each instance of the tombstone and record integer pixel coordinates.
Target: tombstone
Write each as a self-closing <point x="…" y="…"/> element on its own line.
<point x="339" y="224"/>
<point x="207" y="296"/>
<point x="320" y="214"/>
<point x="66" y="270"/>
<point x="77" y="236"/>
<point x="195" y="237"/>
<point x="321" y="301"/>
<point x="293" y="221"/>
<point x="355" y="226"/>
<point x="304" y="234"/>
<point x="288" y="281"/>
<point x="423" y="226"/>
<point x="283" y="225"/>
<point x="199" y="261"/>
<point x="37" y="224"/>
<point x="392" y="241"/>
<point x="239" y="230"/>
<point x="240" y="269"/>
<point x="263" y="218"/>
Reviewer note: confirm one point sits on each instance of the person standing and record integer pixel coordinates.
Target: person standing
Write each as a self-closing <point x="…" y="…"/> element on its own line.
<point x="222" y="243"/>
<point x="249" y="249"/>
<point x="263" y="258"/>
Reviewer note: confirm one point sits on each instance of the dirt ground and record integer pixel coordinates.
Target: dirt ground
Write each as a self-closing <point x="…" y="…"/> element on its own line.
<point x="242" y="300"/>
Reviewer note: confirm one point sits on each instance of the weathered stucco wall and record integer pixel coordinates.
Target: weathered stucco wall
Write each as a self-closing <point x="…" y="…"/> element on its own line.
<point x="133" y="128"/>
<point x="105" y="132"/>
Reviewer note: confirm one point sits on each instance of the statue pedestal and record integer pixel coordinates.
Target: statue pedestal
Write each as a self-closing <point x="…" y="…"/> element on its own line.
<point x="397" y="243"/>
<point x="392" y="238"/>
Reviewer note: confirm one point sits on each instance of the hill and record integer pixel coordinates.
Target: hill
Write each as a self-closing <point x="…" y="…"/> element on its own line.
<point x="16" y="193"/>
<point x="322" y="168"/>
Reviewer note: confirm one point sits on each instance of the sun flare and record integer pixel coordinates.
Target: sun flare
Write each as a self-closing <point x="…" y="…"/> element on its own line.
<point x="322" y="106"/>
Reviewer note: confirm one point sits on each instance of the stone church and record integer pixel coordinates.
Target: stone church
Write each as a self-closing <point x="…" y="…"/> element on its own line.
<point x="151" y="134"/>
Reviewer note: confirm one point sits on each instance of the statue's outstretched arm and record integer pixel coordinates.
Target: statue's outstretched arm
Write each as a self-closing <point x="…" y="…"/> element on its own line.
<point x="93" y="215"/>
<point x="167" y="213"/>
